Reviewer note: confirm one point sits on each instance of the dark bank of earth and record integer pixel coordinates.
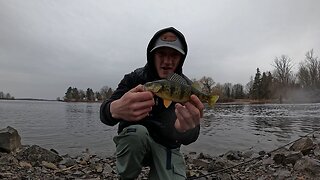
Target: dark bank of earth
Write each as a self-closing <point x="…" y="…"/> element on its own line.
<point x="299" y="160"/>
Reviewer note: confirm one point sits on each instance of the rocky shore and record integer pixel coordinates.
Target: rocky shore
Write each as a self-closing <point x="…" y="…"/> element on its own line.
<point x="297" y="160"/>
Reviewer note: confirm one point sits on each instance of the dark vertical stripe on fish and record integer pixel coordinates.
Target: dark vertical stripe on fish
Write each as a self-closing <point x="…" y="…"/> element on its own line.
<point x="184" y="92"/>
<point x="172" y="89"/>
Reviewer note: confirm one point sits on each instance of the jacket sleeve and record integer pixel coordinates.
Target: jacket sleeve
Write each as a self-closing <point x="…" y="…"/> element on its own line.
<point x="187" y="137"/>
<point x="105" y="115"/>
<point x="124" y="86"/>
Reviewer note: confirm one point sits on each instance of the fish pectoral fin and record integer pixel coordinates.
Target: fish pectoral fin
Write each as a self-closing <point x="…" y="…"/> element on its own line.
<point x="167" y="103"/>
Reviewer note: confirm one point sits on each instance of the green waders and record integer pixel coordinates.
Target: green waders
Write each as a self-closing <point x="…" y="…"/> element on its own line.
<point x="135" y="148"/>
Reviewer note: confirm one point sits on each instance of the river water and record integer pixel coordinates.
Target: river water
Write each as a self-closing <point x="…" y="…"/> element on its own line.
<point x="73" y="127"/>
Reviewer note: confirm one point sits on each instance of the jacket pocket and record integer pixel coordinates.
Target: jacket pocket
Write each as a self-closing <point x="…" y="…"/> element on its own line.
<point x="178" y="166"/>
<point x="179" y="172"/>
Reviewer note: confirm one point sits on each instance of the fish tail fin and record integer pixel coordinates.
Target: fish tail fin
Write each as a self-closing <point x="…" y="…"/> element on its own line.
<point x="212" y="100"/>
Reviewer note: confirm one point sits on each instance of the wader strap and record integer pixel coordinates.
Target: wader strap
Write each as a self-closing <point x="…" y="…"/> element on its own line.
<point x="168" y="166"/>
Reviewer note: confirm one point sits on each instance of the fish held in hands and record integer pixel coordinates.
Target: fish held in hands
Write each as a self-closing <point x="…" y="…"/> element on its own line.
<point x="176" y="89"/>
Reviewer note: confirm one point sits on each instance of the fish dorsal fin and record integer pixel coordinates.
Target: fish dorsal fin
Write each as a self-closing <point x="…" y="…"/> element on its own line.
<point x="177" y="78"/>
<point x="166" y="102"/>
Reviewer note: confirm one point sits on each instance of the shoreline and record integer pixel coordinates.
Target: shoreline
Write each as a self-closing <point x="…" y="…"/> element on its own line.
<point x="298" y="160"/>
<point x="233" y="102"/>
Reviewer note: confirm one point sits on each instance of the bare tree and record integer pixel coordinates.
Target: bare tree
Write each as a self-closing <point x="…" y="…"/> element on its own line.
<point x="303" y="76"/>
<point x="249" y="85"/>
<point x="237" y="91"/>
<point x="283" y="74"/>
<point x="227" y="90"/>
<point x="207" y="84"/>
<point x="218" y="90"/>
<point x="309" y="71"/>
<point x="106" y="92"/>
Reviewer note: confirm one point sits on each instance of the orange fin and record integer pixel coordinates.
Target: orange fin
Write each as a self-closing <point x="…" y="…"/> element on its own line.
<point x="167" y="103"/>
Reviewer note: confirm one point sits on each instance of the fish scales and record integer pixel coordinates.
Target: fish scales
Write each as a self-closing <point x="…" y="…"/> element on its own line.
<point x="176" y="91"/>
<point x="200" y="95"/>
<point x="182" y="92"/>
<point x="185" y="92"/>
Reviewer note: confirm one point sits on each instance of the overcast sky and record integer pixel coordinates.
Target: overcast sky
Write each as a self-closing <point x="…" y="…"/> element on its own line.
<point x="47" y="46"/>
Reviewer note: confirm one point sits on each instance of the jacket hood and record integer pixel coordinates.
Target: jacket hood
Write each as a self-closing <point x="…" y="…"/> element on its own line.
<point x="150" y="57"/>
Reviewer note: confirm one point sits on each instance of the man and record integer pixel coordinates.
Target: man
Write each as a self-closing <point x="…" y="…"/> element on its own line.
<point x="149" y="133"/>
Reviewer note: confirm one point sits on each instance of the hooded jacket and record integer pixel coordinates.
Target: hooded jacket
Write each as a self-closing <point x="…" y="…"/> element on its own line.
<point x="161" y="120"/>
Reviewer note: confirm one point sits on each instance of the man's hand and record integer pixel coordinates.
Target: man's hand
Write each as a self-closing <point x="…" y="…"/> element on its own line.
<point x="134" y="105"/>
<point x="189" y="114"/>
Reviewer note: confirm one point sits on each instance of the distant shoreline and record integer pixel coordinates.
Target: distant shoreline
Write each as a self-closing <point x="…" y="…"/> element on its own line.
<point x="35" y="99"/>
<point x="30" y="99"/>
<point x="234" y="102"/>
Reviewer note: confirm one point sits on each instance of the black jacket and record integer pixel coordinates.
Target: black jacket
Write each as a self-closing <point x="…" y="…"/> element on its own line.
<point x="161" y="120"/>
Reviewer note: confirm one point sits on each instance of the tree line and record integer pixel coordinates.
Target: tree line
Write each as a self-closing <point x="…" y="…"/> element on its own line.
<point x="74" y="94"/>
<point x="5" y="95"/>
<point x="283" y="83"/>
<point x="279" y="84"/>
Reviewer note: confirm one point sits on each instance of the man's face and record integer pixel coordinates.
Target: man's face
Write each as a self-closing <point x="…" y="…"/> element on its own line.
<point x="166" y="61"/>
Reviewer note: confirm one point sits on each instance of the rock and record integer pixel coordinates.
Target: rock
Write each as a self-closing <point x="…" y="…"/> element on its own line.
<point x="10" y="139"/>
<point x="192" y="173"/>
<point x="24" y="164"/>
<point x="233" y="155"/>
<point x="316" y="151"/>
<point x="107" y="169"/>
<point x="9" y="160"/>
<point x="267" y="161"/>
<point x="36" y="154"/>
<point x="202" y="163"/>
<point x="68" y="162"/>
<point x="49" y="165"/>
<point x="99" y="168"/>
<point x="224" y="176"/>
<point x="304" y="145"/>
<point x="282" y="174"/>
<point x="248" y="154"/>
<point x="279" y="158"/>
<point x="204" y="156"/>
<point x="307" y="164"/>
<point x="293" y="157"/>
<point x="78" y="173"/>
<point x="262" y="153"/>
<point x="219" y="164"/>
<point x="5" y="175"/>
<point x="55" y="151"/>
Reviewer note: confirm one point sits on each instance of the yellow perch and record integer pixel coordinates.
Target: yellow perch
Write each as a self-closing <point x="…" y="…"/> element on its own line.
<point x="177" y="91"/>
